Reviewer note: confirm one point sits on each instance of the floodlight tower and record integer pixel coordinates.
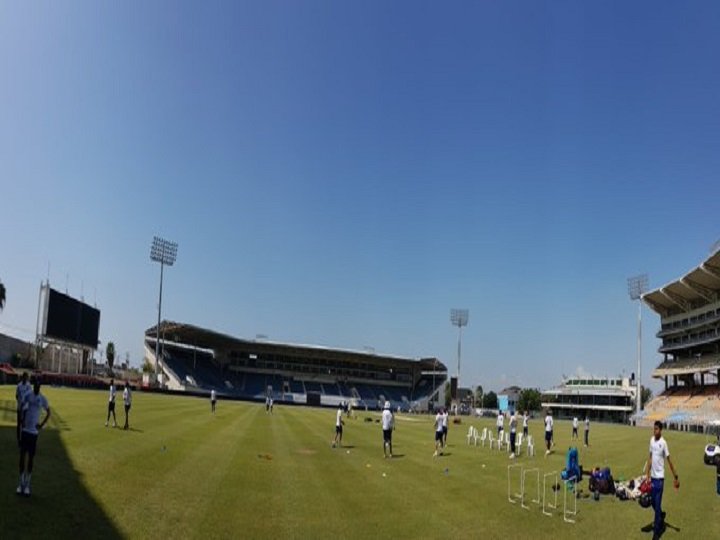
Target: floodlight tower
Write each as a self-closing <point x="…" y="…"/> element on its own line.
<point x="459" y="318"/>
<point x="164" y="252"/>
<point x="637" y="286"/>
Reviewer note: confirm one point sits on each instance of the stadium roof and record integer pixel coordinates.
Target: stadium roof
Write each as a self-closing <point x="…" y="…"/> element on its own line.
<point x="189" y="334"/>
<point x="698" y="287"/>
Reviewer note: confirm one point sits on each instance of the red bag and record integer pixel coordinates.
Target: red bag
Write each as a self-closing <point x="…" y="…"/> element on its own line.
<point x="646" y="486"/>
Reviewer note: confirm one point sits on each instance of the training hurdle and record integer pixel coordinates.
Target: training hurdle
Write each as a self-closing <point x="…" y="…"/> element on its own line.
<point x="509" y="488"/>
<point x="572" y="481"/>
<point x="523" y="485"/>
<point x="554" y="476"/>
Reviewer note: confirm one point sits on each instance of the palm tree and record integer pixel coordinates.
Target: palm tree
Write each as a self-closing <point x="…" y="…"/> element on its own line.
<point x="110" y="354"/>
<point x="2" y="296"/>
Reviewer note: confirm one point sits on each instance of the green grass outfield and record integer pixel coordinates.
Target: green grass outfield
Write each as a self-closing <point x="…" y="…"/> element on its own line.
<point x="245" y="474"/>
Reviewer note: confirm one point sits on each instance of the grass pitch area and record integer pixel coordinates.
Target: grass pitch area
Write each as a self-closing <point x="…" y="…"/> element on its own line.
<point x="182" y="473"/>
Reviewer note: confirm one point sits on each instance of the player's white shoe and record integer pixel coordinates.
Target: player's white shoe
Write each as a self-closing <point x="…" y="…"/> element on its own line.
<point x="19" y="489"/>
<point x="512" y="456"/>
<point x="26" y="491"/>
<point x="435" y="454"/>
<point x="106" y="424"/>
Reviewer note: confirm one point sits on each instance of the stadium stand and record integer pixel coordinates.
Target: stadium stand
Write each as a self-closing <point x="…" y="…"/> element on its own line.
<point x="601" y="398"/>
<point x="198" y="360"/>
<point x="689" y="310"/>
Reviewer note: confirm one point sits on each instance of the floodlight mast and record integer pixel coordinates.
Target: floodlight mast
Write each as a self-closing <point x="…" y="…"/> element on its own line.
<point x="637" y="286"/>
<point x="164" y="252"/>
<point x="459" y="318"/>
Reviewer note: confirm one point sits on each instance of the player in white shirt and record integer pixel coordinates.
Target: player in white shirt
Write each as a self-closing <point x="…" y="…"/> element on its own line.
<point x="23" y="388"/>
<point x="127" y="401"/>
<point x="548" y="431"/>
<point x="587" y="430"/>
<point x="213" y="400"/>
<point x="272" y="402"/>
<point x="446" y="416"/>
<point x="513" y="434"/>
<point x="438" y="425"/>
<point x="575" y="428"/>
<point x="111" y="404"/>
<point x="338" y="427"/>
<point x="500" y="422"/>
<point x="32" y="403"/>
<point x="388" y="425"/>
<point x="525" y="424"/>
<point x="655" y="472"/>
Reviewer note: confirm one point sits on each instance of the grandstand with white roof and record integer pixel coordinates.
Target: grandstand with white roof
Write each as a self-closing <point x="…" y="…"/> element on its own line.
<point x="599" y="398"/>
<point x="689" y="309"/>
<point x="198" y="360"/>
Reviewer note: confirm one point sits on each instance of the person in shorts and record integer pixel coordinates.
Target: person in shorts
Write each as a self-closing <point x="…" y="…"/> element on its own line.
<point x="525" y="424"/>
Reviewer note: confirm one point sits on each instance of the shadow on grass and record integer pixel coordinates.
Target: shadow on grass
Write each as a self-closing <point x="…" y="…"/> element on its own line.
<point x="649" y="528"/>
<point x="60" y="504"/>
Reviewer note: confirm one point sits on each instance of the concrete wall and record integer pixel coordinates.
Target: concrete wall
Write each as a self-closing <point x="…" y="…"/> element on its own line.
<point x="10" y="346"/>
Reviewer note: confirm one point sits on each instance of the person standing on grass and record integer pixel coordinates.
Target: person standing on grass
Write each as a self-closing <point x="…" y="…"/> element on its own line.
<point x="500" y="423"/>
<point x="272" y="402"/>
<point x="548" y="431"/>
<point x="587" y="430"/>
<point x="213" y="399"/>
<point x="127" y="401"/>
<point x="31" y="426"/>
<point x="439" y="419"/>
<point x="111" y="404"/>
<point x="575" y="428"/>
<point x="388" y="425"/>
<point x="23" y="389"/>
<point x="338" y="427"/>
<point x="513" y="434"/>
<point x="446" y="416"/>
<point x="655" y="472"/>
<point x="525" y="425"/>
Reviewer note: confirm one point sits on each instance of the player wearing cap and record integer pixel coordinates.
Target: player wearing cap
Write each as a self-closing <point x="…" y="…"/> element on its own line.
<point x="388" y="425"/>
<point x="111" y="404"/>
<point x="31" y="426"/>
<point x="338" y="427"/>
<point x="23" y="389"/>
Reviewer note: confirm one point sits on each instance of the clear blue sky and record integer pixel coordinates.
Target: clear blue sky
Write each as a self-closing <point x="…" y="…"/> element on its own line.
<point x="345" y="173"/>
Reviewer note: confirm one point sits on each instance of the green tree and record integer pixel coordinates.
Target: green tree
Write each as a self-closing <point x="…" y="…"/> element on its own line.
<point x="478" y="395"/>
<point x="529" y="400"/>
<point x="147" y="367"/>
<point x="2" y="296"/>
<point x="645" y="396"/>
<point x="490" y="400"/>
<point x="110" y="354"/>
